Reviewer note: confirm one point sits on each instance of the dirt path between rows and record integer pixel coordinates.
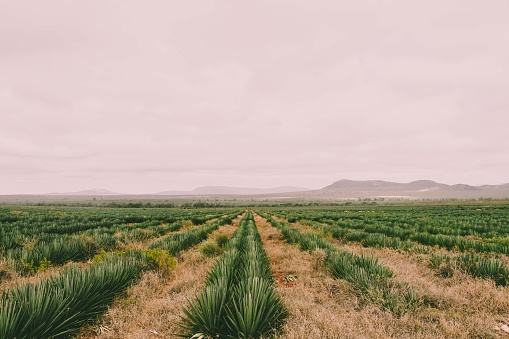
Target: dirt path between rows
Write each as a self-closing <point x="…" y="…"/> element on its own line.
<point x="461" y="306"/>
<point x="152" y="308"/>
<point x="14" y="280"/>
<point x="321" y="307"/>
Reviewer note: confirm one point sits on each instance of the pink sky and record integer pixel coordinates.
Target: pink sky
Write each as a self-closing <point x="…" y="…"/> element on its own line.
<point x="147" y="96"/>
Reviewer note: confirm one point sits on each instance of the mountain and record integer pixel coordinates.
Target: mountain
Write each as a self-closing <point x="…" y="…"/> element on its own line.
<point x="463" y="187"/>
<point x="339" y="190"/>
<point x="419" y="189"/>
<point x="96" y="191"/>
<point x="379" y="185"/>
<point x="227" y="190"/>
<point x="352" y="184"/>
<point x="495" y="187"/>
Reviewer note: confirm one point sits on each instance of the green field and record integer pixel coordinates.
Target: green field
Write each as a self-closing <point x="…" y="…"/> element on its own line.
<point x="343" y="271"/>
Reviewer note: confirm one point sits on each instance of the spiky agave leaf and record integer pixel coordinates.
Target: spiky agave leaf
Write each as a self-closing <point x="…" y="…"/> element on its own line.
<point x="256" y="309"/>
<point x="58" y="307"/>
<point x="206" y="314"/>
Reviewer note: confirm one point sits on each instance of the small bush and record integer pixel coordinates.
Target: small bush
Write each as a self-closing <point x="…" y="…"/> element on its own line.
<point x="154" y="259"/>
<point x="210" y="249"/>
<point x="27" y="268"/>
<point x="160" y="260"/>
<point x="44" y="265"/>
<point x="101" y="256"/>
<point x="222" y="240"/>
<point x="187" y="224"/>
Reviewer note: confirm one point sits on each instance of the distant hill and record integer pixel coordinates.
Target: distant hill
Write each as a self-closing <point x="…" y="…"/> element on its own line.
<point x="463" y="187"/>
<point x="495" y="187"/>
<point x="419" y="189"/>
<point x="342" y="189"/>
<point x="379" y="185"/>
<point x="88" y="192"/>
<point x="227" y="190"/>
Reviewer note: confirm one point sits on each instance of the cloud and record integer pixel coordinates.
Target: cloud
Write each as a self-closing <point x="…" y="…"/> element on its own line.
<point x="139" y="96"/>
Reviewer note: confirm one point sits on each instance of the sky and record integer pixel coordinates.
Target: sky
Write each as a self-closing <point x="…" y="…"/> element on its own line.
<point x="148" y="96"/>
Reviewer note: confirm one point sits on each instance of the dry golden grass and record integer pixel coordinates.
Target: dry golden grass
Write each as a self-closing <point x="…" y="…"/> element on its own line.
<point x="11" y="279"/>
<point x="153" y="307"/>
<point x="321" y="307"/>
<point x="464" y="304"/>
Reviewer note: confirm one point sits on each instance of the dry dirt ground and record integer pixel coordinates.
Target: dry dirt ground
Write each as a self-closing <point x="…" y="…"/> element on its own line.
<point x="457" y="307"/>
<point x="10" y="279"/>
<point x="152" y="308"/>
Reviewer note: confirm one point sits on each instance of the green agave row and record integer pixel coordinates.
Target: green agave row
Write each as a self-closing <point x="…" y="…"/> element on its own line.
<point x="76" y="248"/>
<point x="83" y="246"/>
<point x="370" y="278"/>
<point x="44" y="224"/>
<point x="181" y="241"/>
<point x="473" y="264"/>
<point x="480" y="220"/>
<point x="239" y="300"/>
<point x="59" y="306"/>
<point x="442" y="226"/>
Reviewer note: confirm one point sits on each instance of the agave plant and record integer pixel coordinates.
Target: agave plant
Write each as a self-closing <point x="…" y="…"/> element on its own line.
<point x="256" y="309"/>
<point x="58" y="307"/>
<point x="239" y="300"/>
<point x="366" y="275"/>
<point x="207" y="313"/>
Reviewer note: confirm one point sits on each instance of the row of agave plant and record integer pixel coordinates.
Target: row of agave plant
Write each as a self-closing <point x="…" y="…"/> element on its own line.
<point x="474" y="264"/>
<point x="57" y="307"/>
<point x="372" y="280"/>
<point x="471" y="263"/>
<point x="239" y="300"/>
<point x="81" y="247"/>
<point x="178" y="241"/>
<point x="21" y="227"/>
<point x="401" y="235"/>
<point x="60" y="305"/>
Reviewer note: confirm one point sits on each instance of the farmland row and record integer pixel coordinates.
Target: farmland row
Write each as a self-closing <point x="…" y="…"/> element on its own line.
<point x="370" y="278"/>
<point x="32" y="253"/>
<point x="153" y="307"/>
<point x="239" y="299"/>
<point x="21" y="226"/>
<point x="60" y="305"/>
<point x="449" y="304"/>
<point x="474" y="264"/>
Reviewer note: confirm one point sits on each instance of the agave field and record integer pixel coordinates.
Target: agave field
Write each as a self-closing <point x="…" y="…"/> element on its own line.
<point x="436" y="270"/>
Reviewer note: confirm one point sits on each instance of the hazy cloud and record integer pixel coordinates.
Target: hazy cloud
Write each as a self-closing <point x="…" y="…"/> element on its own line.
<point x="156" y="96"/>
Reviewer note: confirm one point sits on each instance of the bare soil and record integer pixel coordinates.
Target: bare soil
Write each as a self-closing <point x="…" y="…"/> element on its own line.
<point x="455" y="307"/>
<point x="153" y="307"/>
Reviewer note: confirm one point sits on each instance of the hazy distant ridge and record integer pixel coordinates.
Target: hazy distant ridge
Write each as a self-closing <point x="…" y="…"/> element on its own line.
<point x="420" y="185"/>
<point x="420" y="189"/>
<point x="227" y="190"/>
<point x="342" y="189"/>
<point x="96" y="191"/>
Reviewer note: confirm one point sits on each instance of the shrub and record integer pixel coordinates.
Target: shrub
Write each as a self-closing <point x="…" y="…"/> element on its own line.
<point x="160" y="260"/>
<point x="210" y="249"/>
<point x="222" y="240"/>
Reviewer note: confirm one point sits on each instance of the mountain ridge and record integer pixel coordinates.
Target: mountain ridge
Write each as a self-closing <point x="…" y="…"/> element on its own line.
<point x="341" y="189"/>
<point x="230" y="190"/>
<point x="94" y="191"/>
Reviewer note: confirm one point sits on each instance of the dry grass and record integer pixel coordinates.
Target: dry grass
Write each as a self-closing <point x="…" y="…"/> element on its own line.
<point x="10" y="279"/>
<point x="464" y="305"/>
<point x="321" y="307"/>
<point x="153" y="307"/>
